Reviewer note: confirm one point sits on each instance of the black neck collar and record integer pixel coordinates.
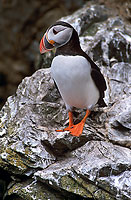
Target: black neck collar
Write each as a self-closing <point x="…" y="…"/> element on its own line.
<point x="71" y="48"/>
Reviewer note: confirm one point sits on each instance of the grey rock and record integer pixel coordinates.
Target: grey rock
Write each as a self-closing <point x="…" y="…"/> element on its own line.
<point x="120" y="80"/>
<point x="31" y="189"/>
<point x="85" y="17"/>
<point x="23" y="140"/>
<point x="119" y="122"/>
<point x="96" y="165"/>
<point x="99" y="164"/>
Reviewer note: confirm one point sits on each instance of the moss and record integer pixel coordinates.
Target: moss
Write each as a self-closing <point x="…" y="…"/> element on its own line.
<point x="27" y="151"/>
<point x="1" y="124"/>
<point x="4" y="165"/>
<point x="101" y="194"/>
<point x="21" y="192"/>
<point x="14" y="189"/>
<point x="14" y="159"/>
<point x="94" y="190"/>
<point x="10" y="130"/>
<point x="88" y="186"/>
<point x="73" y="186"/>
<point x="31" y="190"/>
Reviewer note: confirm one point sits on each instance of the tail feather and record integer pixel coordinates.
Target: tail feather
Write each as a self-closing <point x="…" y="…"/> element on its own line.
<point x="101" y="102"/>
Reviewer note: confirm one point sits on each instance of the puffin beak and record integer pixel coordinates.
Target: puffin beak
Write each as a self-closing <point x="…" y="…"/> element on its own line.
<point x="46" y="44"/>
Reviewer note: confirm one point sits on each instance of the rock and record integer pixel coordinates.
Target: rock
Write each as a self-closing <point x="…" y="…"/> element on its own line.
<point x="119" y="124"/>
<point x="106" y="165"/>
<point x="120" y="80"/>
<point x="44" y="164"/>
<point x="31" y="147"/>
<point x="31" y="189"/>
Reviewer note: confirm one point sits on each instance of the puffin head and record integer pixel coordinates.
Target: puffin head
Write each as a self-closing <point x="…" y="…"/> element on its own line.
<point x="56" y="35"/>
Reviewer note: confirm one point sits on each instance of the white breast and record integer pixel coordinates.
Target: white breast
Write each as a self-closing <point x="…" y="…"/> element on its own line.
<point x="72" y="76"/>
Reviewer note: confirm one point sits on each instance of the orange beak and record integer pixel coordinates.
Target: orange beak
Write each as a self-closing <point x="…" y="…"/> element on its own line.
<point x="46" y="44"/>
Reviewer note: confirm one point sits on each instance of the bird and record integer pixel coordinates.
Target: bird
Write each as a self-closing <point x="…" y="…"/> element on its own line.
<point x="78" y="79"/>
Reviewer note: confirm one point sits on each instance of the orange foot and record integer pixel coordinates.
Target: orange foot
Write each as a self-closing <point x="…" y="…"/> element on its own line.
<point x="70" y="123"/>
<point x="75" y="130"/>
<point x="66" y="129"/>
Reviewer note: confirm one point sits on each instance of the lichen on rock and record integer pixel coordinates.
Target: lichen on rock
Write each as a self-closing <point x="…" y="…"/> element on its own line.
<point x="45" y="164"/>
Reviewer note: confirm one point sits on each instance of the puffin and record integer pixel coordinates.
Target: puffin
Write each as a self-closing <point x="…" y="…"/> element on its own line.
<point x="78" y="79"/>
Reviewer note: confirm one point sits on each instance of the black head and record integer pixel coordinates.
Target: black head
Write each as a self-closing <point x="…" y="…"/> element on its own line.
<point x="60" y="35"/>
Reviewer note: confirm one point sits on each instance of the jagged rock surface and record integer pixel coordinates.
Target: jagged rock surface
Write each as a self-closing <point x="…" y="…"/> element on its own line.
<point x="43" y="164"/>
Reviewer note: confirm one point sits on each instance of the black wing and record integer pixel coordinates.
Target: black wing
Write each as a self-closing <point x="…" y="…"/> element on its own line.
<point x="97" y="78"/>
<point x="100" y="84"/>
<point x="56" y="87"/>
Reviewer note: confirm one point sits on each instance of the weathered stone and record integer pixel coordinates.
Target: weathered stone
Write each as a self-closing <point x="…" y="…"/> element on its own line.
<point x="119" y="122"/>
<point x="24" y="143"/>
<point x="29" y="120"/>
<point x="31" y="189"/>
<point x="96" y="165"/>
<point x="120" y="80"/>
<point x="84" y="18"/>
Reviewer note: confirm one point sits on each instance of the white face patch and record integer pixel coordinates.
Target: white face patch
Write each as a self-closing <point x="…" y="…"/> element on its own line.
<point x="60" y="34"/>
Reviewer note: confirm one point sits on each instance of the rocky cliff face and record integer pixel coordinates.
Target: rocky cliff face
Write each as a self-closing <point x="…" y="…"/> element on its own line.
<point x="36" y="162"/>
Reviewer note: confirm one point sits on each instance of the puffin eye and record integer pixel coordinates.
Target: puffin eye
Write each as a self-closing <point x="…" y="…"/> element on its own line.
<point x="54" y="31"/>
